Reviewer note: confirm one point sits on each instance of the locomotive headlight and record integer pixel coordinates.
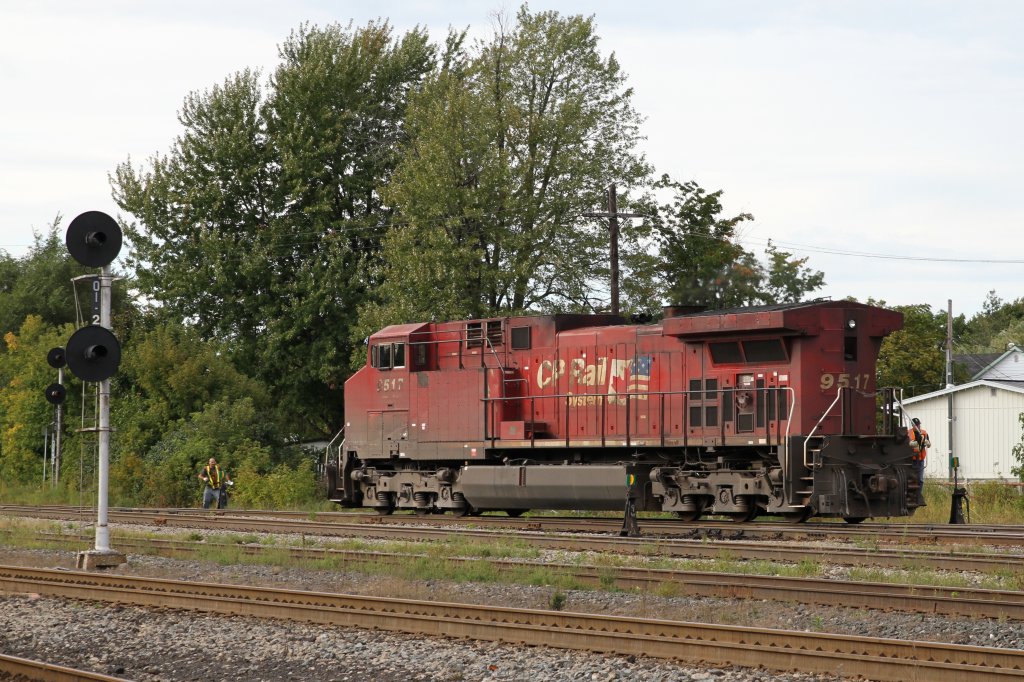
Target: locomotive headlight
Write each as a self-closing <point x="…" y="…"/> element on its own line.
<point x="851" y="324"/>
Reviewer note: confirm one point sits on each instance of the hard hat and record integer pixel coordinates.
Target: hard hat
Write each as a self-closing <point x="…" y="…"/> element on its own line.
<point x="917" y="422"/>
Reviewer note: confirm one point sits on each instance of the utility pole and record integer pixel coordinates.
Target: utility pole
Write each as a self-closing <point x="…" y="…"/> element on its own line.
<point x="60" y="426"/>
<point x="613" y="216"/>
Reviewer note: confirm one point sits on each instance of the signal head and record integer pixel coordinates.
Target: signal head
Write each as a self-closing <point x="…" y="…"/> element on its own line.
<point x="94" y="239"/>
<point x="94" y="353"/>
<point x="55" y="358"/>
<point x="55" y="393"/>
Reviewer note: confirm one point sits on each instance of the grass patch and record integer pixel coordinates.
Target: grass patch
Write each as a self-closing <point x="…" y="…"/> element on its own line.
<point x="999" y="580"/>
<point x="991" y="503"/>
<point x="511" y="548"/>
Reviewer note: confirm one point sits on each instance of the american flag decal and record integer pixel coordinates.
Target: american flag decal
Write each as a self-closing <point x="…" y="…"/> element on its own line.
<point x="640" y="374"/>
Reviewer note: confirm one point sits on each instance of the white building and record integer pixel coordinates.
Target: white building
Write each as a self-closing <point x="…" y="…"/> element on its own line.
<point x="1005" y="367"/>
<point x="986" y="423"/>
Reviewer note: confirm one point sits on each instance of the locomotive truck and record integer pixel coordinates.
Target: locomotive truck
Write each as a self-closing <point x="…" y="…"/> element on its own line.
<point x="744" y="412"/>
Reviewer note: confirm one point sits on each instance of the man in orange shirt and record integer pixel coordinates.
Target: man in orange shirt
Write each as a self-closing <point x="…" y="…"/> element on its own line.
<point x="919" y="443"/>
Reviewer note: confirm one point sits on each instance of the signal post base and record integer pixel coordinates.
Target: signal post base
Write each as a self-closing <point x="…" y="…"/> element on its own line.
<point x="94" y="559"/>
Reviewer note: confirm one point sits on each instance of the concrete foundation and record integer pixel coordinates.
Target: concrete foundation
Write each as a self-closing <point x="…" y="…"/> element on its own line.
<point x="94" y="559"/>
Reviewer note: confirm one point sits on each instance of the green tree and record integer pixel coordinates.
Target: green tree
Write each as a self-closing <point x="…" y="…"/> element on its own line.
<point x="258" y="226"/>
<point x="233" y="431"/>
<point x="24" y="412"/>
<point x="510" y="143"/>
<point x="788" y="279"/>
<point x="991" y="330"/>
<point x="1018" y="452"/>
<point x="169" y="375"/>
<point x="913" y="358"/>
<point x="39" y="283"/>
<point x="701" y="263"/>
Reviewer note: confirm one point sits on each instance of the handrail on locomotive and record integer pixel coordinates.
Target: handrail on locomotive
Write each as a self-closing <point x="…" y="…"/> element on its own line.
<point x="781" y="440"/>
<point x="889" y="396"/>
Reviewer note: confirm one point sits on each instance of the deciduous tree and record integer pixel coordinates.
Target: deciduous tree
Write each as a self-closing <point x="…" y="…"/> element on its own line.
<point x="258" y="226"/>
<point x="510" y="143"/>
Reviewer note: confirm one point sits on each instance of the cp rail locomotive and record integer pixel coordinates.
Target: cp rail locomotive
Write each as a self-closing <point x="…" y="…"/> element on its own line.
<point x="745" y="412"/>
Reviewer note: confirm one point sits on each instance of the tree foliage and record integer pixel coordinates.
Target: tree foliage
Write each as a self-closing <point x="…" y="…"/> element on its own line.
<point x="994" y="328"/>
<point x="913" y="357"/>
<point x="1018" y="451"/>
<point x="39" y="283"/>
<point x="510" y="143"/>
<point x="24" y="413"/>
<point x="257" y="227"/>
<point x="702" y="263"/>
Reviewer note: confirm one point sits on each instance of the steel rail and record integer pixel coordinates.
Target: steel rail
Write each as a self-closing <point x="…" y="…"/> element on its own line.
<point x="709" y="547"/>
<point x="719" y="645"/>
<point x="903" y="533"/>
<point x="48" y="672"/>
<point x="961" y="602"/>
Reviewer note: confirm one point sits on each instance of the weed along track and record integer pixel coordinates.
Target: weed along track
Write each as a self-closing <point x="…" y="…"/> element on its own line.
<point x="874" y="658"/>
<point x="953" y="601"/>
<point x="709" y="545"/>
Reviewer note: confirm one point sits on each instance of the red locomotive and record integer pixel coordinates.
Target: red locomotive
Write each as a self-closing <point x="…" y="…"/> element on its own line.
<point x="764" y="410"/>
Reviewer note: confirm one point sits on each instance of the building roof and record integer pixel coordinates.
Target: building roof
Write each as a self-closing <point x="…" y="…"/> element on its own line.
<point x="1012" y="386"/>
<point x="981" y="364"/>
<point x="976" y="362"/>
<point x="1011" y="350"/>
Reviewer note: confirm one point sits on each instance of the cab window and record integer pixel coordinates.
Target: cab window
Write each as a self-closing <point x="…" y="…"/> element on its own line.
<point x="387" y="355"/>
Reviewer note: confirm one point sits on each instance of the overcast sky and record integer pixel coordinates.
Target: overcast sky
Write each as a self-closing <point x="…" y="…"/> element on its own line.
<point x="881" y="139"/>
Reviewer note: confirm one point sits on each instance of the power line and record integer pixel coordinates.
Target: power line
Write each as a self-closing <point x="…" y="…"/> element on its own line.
<point x="888" y="256"/>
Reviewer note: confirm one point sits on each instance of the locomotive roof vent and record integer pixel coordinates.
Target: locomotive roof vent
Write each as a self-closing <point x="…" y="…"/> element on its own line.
<point x="680" y="310"/>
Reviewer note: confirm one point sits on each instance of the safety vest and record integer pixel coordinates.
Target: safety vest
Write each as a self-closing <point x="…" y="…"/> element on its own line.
<point x="212" y="476"/>
<point x="919" y="437"/>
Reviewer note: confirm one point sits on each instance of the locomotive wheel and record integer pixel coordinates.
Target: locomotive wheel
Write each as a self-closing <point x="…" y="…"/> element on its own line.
<point x="515" y="513"/>
<point x="742" y="517"/>
<point x="688" y="516"/>
<point x="385" y="511"/>
<point x="854" y="519"/>
<point x="422" y="511"/>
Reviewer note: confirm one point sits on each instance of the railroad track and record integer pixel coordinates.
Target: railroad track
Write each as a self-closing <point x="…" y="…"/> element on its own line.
<point x="873" y="658"/>
<point x="48" y="672"/>
<point x="709" y="546"/>
<point x="960" y="602"/>
<point x="895" y="533"/>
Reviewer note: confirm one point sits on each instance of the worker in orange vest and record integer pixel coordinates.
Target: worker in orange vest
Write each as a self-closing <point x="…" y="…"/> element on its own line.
<point x="919" y="443"/>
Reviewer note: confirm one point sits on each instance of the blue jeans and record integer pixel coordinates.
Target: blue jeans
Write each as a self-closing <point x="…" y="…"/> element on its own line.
<point x="210" y="497"/>
<point x="919" y="465"/>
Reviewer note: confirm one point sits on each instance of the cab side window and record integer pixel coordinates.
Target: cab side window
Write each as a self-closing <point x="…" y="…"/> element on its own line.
<point x="387" y="355"/>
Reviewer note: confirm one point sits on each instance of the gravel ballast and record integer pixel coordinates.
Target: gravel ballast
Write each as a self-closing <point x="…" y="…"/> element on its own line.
<point x="141" y="644"/>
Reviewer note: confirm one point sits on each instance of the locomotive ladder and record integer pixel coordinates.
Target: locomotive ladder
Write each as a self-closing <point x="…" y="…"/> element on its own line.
<point x="490" y="420"/>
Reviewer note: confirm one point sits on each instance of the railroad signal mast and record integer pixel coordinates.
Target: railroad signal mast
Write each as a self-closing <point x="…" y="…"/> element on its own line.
<point x="93" y="353"/>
